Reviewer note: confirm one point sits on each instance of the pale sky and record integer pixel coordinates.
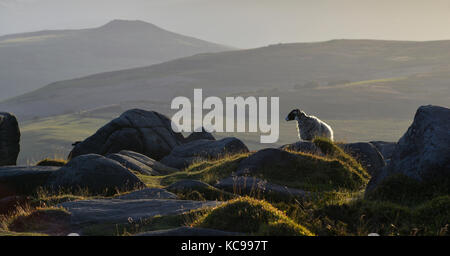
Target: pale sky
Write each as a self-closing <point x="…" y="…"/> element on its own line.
<point x="243" y="23"/>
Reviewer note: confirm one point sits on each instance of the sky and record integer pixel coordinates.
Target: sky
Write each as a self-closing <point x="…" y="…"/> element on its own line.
<point x="243" y="23"/>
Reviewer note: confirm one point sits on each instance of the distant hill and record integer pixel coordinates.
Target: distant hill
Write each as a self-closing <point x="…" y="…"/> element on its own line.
<point x="338" y="79"/>
<point x="31" y="60"/>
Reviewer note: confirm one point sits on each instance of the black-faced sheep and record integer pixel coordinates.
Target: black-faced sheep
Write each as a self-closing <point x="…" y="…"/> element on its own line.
<point x="309" y="127"/>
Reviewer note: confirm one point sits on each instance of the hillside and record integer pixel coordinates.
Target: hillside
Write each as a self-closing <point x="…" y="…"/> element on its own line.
<point x="29" y="61"/>
<point x="365" y="89"/>
<point x="352" y="79"/>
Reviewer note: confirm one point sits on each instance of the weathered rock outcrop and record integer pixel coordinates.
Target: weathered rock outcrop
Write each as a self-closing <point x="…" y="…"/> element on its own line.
<point x="9" y="139"/>
<point x="367" y="155"/>
<point x="146" y="132"/>
<point x="15" y="180"/>
<point x="423" y="152"/>
<point x="184" y="155"/>
<point x="97" y="174"/>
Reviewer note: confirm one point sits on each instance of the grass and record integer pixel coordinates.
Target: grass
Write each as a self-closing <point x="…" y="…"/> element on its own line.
<point x="386" y="218"/>
<point x="398" y="206"/>
<point x="336" y="171"/>
<point x="27" y="220"/>
<point x="404" y="190"/>
<point x="49" y="137"/>
<point x="207" y="171"/>
<point x="315" y="173"/>
<point x="250" y="216"/>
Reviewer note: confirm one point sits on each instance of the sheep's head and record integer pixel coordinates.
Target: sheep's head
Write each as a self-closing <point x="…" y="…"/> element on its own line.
<point x="296" y="113"/>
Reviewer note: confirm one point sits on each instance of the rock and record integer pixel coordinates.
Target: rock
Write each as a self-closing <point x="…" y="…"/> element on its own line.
<point x="153" y="164"/>
<point x="15" y="180"/>
<point x="184" y="155"/>
<point x="203" y="135"/>
<point x="9" y="139"/>
<point x="386" y="148"/>
<point x="95" y="173"/>
<point x="87" y="212"/>
<point x="367" y="155"/>
<point x="148" y="193"/>
<point x="145" y="132"/>
<point x="422" y="153"/>
<point x="188" y="231"/>
<point x="133" y="164"/>
<point x="189" y="185"/>
<point x="302" y="171"/>
<point x="257" y="187"/>
<point x="269" y="157"/>
<point x="303" y="146"/>
<point x="197" y="190"/>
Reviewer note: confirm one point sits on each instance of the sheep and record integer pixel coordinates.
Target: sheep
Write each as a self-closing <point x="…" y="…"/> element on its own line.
<point x="309" y="127"/>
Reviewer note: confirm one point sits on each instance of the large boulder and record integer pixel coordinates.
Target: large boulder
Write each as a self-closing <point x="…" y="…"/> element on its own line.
<point x="15" y="180"/>
<point x="422" y="153"/>
<point x="184" y="155"/>
<point x="146" y="132"/>
<point x="97" y="174"/>
<point x="9" y="139"/>
<point x="367" y="155"/>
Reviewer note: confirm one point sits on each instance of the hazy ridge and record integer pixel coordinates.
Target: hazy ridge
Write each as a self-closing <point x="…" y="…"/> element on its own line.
<point x="29" y="61"/>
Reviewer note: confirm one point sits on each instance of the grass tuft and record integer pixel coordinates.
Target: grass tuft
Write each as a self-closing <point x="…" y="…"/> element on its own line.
<point x="250" y="216"/>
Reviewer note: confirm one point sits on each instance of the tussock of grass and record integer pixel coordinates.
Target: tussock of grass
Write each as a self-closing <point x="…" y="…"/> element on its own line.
<point x="46" y="198"/>
<point x="207" y="171"/>
<point x="51" y="162"/>
<point x="315" y="173"/>
<point x="386" y="218"/>
<point x="332" y="151"/>
<point x="401" y="189"/>
<point x="35" y="221"/>
<point x="251" y="216"/>
<point x="44" y="220"/>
